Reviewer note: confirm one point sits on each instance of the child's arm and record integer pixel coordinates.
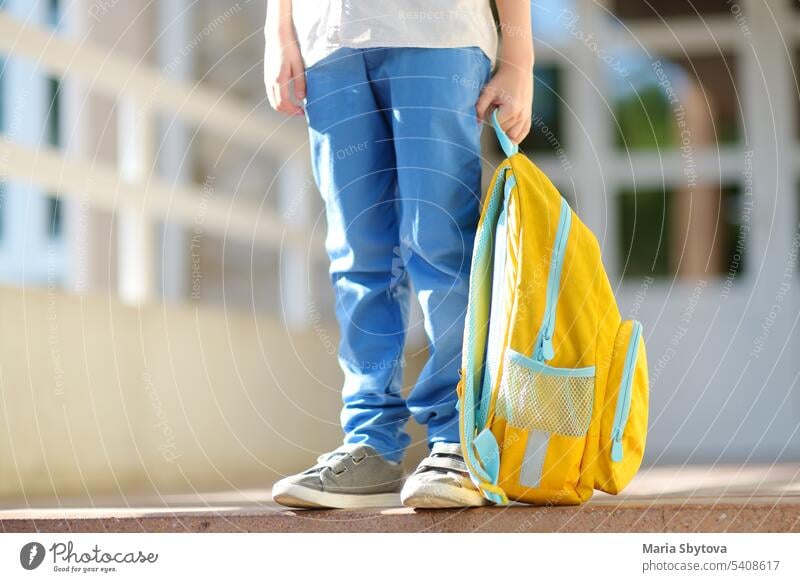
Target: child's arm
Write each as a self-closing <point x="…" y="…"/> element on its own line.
<point x="511" y="87"/>
<point x="283" y="61"/>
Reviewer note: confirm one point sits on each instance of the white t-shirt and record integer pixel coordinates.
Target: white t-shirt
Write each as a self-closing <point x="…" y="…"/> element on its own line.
<point x="323" y="26"/>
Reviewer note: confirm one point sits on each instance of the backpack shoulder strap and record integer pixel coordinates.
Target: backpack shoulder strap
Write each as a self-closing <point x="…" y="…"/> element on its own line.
<point x="481" y="451"/>
<point x="509" y="147"/>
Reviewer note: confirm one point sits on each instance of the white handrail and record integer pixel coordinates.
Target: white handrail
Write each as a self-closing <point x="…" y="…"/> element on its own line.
<point x="100" y="186"/>
<point x="118" y="77"/>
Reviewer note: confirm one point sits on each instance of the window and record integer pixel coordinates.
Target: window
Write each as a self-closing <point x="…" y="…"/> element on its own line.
<point x="643" y="249"/>
<point x="54" y="217"/>
<point x="54" y="112"/>
<point x="546" y="127"/>
<point x="53" y="129"/>
<point x="53" y="12"/>
<point x="643" y="119"/>
<point x="661" y="99"/>
<point x="660" y="236"/>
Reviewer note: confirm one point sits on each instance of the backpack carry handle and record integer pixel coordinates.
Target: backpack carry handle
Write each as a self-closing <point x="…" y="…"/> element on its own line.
<point x="509" y="147"/>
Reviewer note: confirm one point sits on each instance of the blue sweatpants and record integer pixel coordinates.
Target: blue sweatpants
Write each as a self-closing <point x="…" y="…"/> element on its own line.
<point x="396" y="156"/>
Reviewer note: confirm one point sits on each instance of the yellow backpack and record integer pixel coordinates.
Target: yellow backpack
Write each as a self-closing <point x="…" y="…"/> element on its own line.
<point x="553" y="397"/>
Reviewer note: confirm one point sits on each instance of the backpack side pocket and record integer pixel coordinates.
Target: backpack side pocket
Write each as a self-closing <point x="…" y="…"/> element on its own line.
<point x="547" y="412"/>
<point x="623" y="425"/>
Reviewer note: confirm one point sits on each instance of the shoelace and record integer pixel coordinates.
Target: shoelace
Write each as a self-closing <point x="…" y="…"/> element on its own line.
<point x="444" y="457"/>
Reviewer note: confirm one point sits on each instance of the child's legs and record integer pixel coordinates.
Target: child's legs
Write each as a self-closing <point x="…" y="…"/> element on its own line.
<point x="354" y="166"/>
<point x="432" y="95"/>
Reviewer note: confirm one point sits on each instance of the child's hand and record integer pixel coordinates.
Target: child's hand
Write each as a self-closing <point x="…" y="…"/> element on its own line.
<point x="284" y="76"/>
<point x="511" y="90"/>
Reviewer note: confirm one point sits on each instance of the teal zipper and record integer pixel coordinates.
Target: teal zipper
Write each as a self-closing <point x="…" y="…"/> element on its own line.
<point x="544" y="343"/>
<point x="625" y="392"/>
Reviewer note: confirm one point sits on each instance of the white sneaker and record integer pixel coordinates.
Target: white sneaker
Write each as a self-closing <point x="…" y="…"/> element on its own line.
<point x="442" y="480"/>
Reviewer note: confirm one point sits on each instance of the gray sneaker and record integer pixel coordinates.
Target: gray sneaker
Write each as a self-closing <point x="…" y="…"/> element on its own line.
<point x="351" y="476"/>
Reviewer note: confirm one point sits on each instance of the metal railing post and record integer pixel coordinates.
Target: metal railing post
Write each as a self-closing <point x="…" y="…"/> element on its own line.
<point x="136" y="232"/>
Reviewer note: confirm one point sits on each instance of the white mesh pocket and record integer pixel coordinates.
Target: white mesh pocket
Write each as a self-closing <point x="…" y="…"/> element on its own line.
<point x="535" y="396"/>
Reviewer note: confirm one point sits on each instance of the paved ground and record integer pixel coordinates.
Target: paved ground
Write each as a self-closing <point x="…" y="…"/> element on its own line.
<point x="689" y="499"/>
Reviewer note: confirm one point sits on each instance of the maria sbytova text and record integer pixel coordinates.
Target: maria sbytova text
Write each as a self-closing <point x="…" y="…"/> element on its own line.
<point x="691" y="549"/>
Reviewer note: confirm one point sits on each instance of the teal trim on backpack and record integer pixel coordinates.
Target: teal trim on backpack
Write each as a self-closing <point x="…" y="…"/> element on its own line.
<point x="543" y="347"/>
<point x="537" y="366"/>
<point x="488" y="453"/>
<point x="623" y="408"/>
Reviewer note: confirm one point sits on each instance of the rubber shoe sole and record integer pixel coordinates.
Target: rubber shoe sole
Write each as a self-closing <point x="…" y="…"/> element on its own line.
<point x="299" y="497"/>
<point x="432" y="495"/>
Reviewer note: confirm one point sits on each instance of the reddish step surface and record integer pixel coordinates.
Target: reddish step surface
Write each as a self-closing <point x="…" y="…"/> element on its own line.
<point x="687" y="499"/>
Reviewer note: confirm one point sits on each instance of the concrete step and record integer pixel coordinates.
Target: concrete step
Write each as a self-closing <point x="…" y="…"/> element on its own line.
<point x="685" y="499"/>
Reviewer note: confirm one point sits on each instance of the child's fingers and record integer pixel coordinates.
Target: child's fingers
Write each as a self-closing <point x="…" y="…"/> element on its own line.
<point x="508" y="120"/>
<point x="299" y="76"/>
<point x="519" y="130"/>
<point x="483" y="104"/>
<point x="285" y="103"/>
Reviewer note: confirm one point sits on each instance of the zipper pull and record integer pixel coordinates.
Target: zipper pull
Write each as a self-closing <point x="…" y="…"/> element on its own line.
<point x="616" y="447"/>
<point x="544" y="348"/>
<point x="547" y="348"/>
